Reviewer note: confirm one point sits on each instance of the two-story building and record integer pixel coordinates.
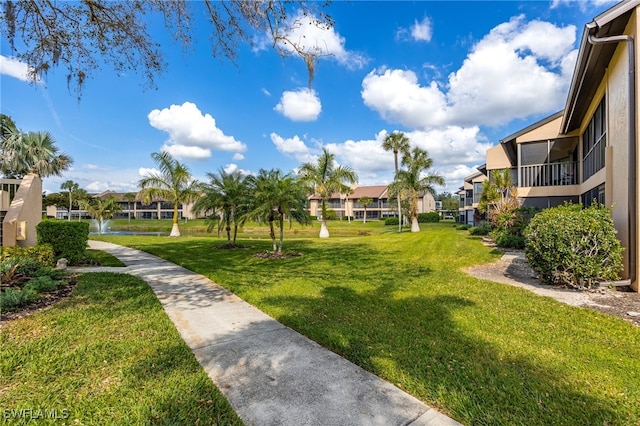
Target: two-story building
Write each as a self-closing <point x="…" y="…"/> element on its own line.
<point x="469" y="196"/>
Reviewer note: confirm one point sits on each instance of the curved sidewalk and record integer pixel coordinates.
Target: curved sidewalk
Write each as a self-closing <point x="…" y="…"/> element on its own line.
<point x="271" y="374"/>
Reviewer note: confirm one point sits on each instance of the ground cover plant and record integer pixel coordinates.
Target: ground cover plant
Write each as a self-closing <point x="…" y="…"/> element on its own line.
<point x="106" y="355"/>
<point x="399" y="306"/>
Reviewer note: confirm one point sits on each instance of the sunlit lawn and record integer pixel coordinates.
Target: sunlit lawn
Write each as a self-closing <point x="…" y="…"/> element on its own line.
<point x="108" y="355"/>
<point x="399" y="306"/>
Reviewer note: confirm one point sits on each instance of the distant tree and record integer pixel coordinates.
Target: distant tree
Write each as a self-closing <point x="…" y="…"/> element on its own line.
<point x="410" y="184"/>
<point x="129" y="197"/>
<point x="325" y="178"/>
<point x="101" y="209"/>
<point x="32" y="152"/>
<point x="7" y="127"/>
<point x="450" y="202"/>
<point x="71" y="187"/>
<point x="275" y="196"/>
<point x="366" y="202"/>
<point x="81" y="36"/>
<point x="173" y="184"/>
<point x="226" y="197"/>
<point x="398" y="143"/>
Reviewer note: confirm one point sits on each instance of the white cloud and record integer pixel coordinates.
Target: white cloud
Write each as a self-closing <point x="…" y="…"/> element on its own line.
<point x="582" y="4"/>
<point x="192" y="135"/>
<point x="452" y="144"/>
<point x="301" y="105"/>
<point x="145" y="172"/>
<point x="14" y="68"/>
<point x="232" y="168"/>
<point x="292" y="147"/>
<point x="310" y="37"/>
<point x="519" y="69"/>
<point x="237" y="157"/>
<point x="422" y="31"/>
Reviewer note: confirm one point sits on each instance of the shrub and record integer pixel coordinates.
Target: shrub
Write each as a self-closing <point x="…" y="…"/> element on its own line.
<point x="68" y="239"/>
<point x="12" y="298"/>
<point x="569" y="245"/>
<point x="431" y="217"/>
<point x="331" y="215"/>
<point x="42" y="253"/>
<point x="510" y="241"/>
<point x="463" y="226"/>
<point x="480" y="230"/>
<point x="391" y="221"/>
<point x="41" y="284"/>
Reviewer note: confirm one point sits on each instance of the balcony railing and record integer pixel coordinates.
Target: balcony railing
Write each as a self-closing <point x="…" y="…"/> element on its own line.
<point x="550" y="174"/>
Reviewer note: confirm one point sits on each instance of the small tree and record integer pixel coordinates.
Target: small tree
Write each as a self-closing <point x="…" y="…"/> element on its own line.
<point x="129" y="197"/>
<point x="366" y="202"/>
<point x="71" y="188"/>
<point x="569" y="245"/>
<point x="101" y="210"/>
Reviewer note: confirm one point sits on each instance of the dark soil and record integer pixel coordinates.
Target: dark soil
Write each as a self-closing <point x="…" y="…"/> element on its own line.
<point x="230" y="246"/>
<point x="46" y="300"/>
<point x="276" y="255"/>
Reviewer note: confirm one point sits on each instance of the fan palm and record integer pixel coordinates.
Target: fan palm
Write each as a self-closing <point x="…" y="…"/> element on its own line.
<point x="226" y="198"/>
<point x="365" y="202"/>
<point x="32" y="152"/>
<point x="324" y="178"/>
<point x="101" y="209"/>
<point x="397" y="142"/>
<point x="173" y="184"/>
<point x="410" y="184"/>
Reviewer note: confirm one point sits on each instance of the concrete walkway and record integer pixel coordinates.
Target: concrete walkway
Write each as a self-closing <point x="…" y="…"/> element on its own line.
<point x="270" y="374"/>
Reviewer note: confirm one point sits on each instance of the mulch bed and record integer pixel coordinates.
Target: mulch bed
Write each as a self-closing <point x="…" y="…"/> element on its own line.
<point x="47" y="300"/>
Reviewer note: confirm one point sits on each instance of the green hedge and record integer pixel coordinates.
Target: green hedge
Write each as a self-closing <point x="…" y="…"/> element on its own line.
<point x="391" y="221"/>
<point x="42" y="253"/>
<point x="569" y="245"/>
<point x="68" y="239"/>
<point x="431" y="217"/>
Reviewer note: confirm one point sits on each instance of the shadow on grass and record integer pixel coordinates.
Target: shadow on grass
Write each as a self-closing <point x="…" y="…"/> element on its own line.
<point x="414" y="343"/>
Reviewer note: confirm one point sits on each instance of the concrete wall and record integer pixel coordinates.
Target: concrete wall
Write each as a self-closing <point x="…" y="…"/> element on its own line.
<point x="25" y="207"/>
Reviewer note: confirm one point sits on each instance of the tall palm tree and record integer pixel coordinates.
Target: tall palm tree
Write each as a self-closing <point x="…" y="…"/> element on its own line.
<point x="226" y="197"/>
<point x="410" y="184"/>
<point x="366" y="202"/>
<point x="397" y="142"/>
<point x="71" y="188"/>
<point x="325" y="178"/>
<point x="32" y="152"/>
<point x="129" y="197"/>
<point x="101" y="210"/>
<point x="173" y="184"/>
<point x="276" y="196"/>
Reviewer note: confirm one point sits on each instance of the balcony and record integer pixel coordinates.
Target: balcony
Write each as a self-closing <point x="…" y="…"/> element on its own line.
<point x="550" y="174"/>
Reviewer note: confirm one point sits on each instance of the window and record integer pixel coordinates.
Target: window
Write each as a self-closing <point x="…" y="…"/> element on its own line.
<point x="596" y="194"/>
<point x="477" y="192"/>
<point x="594" y="141"/>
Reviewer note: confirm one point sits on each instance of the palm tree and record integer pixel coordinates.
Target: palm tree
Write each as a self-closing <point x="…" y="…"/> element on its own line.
<point x="32" y="152"/>
<point x="101" y="210"/>
<point x="397" y="142"/>
<point x="226" y="197"/>
<point x="499" y="194"/>
<point x="129" y="197"/>
<point x="410" y="184"/>
<point x="173" y="183"/>
<point x="366" y="202"/>
<point x="325" y="178"/>
<point x="276" y="196"/>
<point x="71" y="188"/>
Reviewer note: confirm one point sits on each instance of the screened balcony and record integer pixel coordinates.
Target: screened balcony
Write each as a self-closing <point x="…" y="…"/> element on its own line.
<point x="548" y="163"/>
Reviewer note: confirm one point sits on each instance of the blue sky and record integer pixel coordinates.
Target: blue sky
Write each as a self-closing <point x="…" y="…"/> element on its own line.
<point x="456" y="77"/>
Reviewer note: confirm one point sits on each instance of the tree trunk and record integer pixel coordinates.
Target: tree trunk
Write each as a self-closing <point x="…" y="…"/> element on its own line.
<point x="281" y="233"/>
<point x="175" y="231"/>
<point x="272" y="234"/>
<point x="399" y="215"/>
<point x="364" y="219"/>
<point x="324" y="232"/>
<point x="415" y="227"/>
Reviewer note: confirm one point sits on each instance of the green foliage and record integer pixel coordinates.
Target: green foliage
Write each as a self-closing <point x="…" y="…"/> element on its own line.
<point x="42" y="253"/>
<point x="331" y="215"/>
<point x="13" y="298"/>
<point x="480" y="230"/>
<point x="509" y="227"/>
<point x="391" y="221"/>
<point x="463" y="227"/>
<point x="569" y="245"/>
<point x="510" y="241"/>
<point x="68" y="239"/>
<point x="42" y="284"/>
<point x="431" y="217"/>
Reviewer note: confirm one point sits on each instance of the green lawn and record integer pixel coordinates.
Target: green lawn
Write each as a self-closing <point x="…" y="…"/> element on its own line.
<point x="399" y="306"/>
<point x="107" y="355"/>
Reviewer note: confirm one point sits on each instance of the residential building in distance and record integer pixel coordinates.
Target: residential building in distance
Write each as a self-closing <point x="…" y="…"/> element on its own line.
<point x="347" y="204"/>
<point x="589" y="151"/>
<point x="469" y="195"/>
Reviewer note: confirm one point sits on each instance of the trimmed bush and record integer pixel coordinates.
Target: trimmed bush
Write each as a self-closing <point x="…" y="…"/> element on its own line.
<point x="391" y="221"/>
<point x="569" y="245"/>
<point x="480" y="230"/>
<point x="463" y="227"/>
<point x="68" y="239"/>
<point x="431" y="217"/>
<point x="42" y="253"/>
<point x="510" y="241"/>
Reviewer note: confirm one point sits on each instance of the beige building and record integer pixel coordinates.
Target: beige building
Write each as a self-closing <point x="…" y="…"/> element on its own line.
<point x="589" y="151"/>
<point x="347" y="204"/>
<point x="20" y="210"/>
<point x="469" y="196"/>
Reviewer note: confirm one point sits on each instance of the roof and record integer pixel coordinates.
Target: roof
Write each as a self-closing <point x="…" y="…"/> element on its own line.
<point x="378" y="191"/>
<point x="531" y="127"/>
<point x="593" y="60"/>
